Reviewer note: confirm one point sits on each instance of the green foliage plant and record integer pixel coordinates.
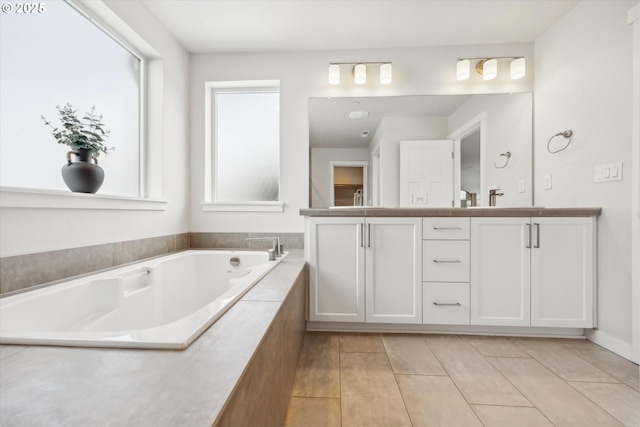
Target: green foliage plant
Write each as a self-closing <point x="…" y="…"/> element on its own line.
<point x="88" y="132"/>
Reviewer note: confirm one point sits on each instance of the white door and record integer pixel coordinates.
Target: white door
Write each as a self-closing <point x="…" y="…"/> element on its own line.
<point x="336" y="269"/>
<point x="426" y="173"/>
<point x="393" y="270"/>
<point x="562" y="266"/>
<point x="500" y="271"/>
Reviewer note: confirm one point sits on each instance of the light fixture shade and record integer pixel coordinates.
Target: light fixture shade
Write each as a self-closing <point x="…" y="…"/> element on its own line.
<point x="360" y="74"/>
<point x="517" y="68"/>
<point x="463" y="69"/>
<point x="489" y="69"/>
<point x="334" y="74"/>
<point x="385" y="74"/>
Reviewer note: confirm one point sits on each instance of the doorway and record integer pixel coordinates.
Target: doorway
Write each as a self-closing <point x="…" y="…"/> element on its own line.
<point x="348" y="183"/>
<point x="468" y="175"/>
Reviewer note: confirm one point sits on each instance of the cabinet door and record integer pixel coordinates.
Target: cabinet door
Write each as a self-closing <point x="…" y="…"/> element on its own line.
<point x="394" y="270"/>
<point x="562" y="265"/>
<point x="336" y="269"/>
<point x="500" y="271"/>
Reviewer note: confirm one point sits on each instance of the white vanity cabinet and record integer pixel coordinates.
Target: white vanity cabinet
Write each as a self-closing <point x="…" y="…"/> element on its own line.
<point x="500" y="271"/>
<point x="562" y="272"/>
<point x="365" y="269"/>
<point x="445" y="271"/>
<point x="532" y="271"/>
<point x="336" y="269"/>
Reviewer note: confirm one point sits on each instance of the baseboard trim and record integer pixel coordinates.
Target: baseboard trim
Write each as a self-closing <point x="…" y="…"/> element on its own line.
<point x="575" y="333"/>
<point x="611" y="343"/>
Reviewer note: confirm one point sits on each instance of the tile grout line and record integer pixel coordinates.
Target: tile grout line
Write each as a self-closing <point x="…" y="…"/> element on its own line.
<point x="451" y="379"/>
<point x="576" y="353"/>
<point x="512" y="384"/>
<point x="386" y="353"/>
<point x="596" y="403"/>
<point x="339" y="335"/>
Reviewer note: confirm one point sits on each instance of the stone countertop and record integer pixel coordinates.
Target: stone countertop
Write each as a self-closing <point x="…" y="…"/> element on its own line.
<point x="73" y="386"/>
<point x="532" y="211"/>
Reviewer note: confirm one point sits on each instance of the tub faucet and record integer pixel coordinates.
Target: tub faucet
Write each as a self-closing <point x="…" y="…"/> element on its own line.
<point x="276" y="243"/>
<point x="492" y="196"/>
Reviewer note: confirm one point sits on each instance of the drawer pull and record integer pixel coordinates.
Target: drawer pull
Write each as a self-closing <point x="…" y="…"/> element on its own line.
<point x="446" y="303"/>
<point x="447" y="228"/>
<point x="447" y="260"/>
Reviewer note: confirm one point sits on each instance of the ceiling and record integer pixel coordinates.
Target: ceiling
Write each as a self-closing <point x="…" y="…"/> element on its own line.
<point x="331" y="127"/>
<point x="214" y="26"/>
<point x="219" y="26"/>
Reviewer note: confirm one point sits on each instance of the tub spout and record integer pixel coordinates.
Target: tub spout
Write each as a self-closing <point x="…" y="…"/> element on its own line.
<point x="276" y="244"/>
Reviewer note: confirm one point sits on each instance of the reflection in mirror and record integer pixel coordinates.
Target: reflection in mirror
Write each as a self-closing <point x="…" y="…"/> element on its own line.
<point x="481" y="127"/>
<point x="470" y="168"/>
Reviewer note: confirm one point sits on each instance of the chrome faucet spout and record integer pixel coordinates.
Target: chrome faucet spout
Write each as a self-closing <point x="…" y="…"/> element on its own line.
<point x="276" y="243"/>
<point x="493" y="194"/>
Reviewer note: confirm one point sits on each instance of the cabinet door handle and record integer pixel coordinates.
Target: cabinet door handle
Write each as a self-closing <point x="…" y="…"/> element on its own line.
<point x="361" y="227"/>
<point x="447" y="228"/>
<point x="446" y="303"/>
<point x="537" y="245"/>
<point x="368" y="235"/>
<point x="447" y="260"/>
<point x="528" y="246"/>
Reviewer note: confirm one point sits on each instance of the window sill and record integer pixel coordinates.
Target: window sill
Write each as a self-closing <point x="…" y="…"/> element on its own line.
<point x="13" y="197"/>
<point x="242" y="206"/>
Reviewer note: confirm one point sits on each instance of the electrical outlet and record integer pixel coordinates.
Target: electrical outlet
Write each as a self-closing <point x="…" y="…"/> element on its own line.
<point x="547" y="182"/>
<point x="521" y="186"/>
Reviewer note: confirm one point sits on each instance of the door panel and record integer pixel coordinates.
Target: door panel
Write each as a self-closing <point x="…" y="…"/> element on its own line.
<point x="426" y="173"/>
<point x="394" y="270"/>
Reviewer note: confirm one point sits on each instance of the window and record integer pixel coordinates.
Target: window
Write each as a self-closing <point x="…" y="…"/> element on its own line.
<point x="245" y="133"/>
<point x="59" y="57"/>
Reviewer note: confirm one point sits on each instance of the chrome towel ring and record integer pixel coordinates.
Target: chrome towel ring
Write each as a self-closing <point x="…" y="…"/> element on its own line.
<point x="567" y="134"/>
<point x="507" y="156"/>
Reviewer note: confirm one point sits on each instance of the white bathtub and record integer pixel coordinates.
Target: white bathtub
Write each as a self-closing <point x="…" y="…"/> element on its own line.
<point x="164" y="303"/>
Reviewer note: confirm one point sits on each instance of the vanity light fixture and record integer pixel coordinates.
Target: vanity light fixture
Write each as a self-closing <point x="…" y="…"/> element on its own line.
<point x="462" y="69"/>
<point x="517" y="68"/>
<point x="360" y="72"/>
<point x="385" y="74"/>
<point x="334" y="74"/>
<point x="488" y="67"/>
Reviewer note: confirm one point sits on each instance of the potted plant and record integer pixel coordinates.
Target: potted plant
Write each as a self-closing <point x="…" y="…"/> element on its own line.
<point x="86" y="138"/>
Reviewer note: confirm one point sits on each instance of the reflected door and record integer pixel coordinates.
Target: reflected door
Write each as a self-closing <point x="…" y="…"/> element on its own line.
<point x="426" y="173"/>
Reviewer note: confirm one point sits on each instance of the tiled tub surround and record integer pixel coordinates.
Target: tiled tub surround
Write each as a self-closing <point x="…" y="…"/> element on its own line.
<point x="239" y="372"/>
<point x="18" y="273"/>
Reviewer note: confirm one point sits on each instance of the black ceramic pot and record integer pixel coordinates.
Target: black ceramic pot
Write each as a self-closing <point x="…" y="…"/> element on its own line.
<point x="82" y="176"/>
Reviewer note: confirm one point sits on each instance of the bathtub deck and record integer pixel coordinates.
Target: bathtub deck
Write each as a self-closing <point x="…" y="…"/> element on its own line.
<point x="57" y="386"/>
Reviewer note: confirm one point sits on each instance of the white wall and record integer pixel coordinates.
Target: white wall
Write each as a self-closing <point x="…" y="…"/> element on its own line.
<point x="583" y="83"/>
<point x="416" y="71"/>
<point x="321" y="171"/>
<point x="508" y="127"/>
<point x="37" y="230"/>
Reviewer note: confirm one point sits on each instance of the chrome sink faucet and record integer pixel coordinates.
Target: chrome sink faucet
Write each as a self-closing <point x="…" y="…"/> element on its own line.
<point x="492" y="196"/>
<point x="276" y="244"/>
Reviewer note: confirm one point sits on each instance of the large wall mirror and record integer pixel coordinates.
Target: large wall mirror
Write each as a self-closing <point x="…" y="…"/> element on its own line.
<point x="424" y="151"/>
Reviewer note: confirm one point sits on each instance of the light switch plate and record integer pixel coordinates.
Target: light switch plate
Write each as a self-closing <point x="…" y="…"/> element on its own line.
<point x="608" y="172"/>
<point x="547" y="182"/>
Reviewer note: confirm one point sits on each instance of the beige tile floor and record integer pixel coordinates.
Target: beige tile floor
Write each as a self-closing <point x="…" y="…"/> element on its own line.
<point x="396" y="380"/>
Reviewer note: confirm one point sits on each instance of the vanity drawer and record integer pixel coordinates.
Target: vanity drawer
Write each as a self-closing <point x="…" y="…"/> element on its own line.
<point x="440" y="228"/>
<point x="445" y="260"/>
<point x="445" y="303"/>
